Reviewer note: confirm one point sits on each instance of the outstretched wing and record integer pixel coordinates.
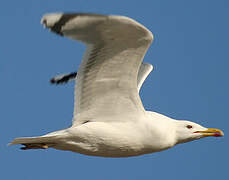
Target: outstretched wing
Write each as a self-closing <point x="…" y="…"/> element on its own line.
<point x="107" y="77"/>
<point x="143" y="73"/>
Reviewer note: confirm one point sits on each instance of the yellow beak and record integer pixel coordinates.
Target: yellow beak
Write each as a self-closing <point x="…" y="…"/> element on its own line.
<point x="211" y="132"/>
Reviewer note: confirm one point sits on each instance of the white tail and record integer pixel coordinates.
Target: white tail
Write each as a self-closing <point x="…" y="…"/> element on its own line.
<point x="39" y="142"/>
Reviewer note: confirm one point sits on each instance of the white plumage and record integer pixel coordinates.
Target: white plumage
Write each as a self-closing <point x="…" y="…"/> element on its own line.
<point x="109" y="118"/>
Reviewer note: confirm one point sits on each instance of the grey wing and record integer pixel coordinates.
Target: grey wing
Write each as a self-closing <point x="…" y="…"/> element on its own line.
<point x="143" y="73"/>
<point x="107" y="77"/>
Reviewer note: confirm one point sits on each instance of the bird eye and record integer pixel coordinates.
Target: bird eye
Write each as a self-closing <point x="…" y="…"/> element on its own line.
<point x="189" y="126"/>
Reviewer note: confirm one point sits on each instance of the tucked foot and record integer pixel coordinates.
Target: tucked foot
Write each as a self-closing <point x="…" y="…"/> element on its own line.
<point x="35" y="146"/>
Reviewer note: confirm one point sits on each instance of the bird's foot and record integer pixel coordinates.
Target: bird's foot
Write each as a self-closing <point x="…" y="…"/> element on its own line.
<point x="35" y="146"/>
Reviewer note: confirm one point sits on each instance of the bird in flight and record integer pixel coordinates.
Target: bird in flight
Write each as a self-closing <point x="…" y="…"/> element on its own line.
<point x="109" y="119"/>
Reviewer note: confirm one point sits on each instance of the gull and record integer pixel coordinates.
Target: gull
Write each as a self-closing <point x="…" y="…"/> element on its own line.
<point x="109" y="119"/>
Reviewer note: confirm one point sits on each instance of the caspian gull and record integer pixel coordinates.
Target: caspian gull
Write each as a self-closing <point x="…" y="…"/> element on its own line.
<point x="109" y="119"/>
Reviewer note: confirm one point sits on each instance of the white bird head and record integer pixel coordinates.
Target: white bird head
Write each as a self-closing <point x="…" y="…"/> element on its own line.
<point x="188" y="131"/>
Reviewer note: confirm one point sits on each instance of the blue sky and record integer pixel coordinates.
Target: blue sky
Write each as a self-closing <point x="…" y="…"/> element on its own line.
<point x="190" y="81"/>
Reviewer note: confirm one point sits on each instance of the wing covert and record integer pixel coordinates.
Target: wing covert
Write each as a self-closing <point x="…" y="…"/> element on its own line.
<point x="107" y="77"/>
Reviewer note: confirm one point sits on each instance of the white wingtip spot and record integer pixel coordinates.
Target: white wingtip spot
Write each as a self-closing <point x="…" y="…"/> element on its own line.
<point x="48" y="20"/>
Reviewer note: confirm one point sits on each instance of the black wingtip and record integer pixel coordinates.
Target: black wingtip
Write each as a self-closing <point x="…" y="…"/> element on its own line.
<point x="63" y="20"/>
<point x="56" y="82"/>
<point x="52" y="81"/>
<point x="64" y="79"/>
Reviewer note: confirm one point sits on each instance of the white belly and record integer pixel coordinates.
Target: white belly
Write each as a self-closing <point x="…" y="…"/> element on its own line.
<point x="107" y="139"/>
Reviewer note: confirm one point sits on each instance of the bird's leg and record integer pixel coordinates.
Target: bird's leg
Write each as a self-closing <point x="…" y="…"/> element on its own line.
<point x="35" y="146"/>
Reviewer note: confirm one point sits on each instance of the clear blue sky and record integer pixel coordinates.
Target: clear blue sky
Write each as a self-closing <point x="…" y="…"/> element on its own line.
<point x="190" y="81"/>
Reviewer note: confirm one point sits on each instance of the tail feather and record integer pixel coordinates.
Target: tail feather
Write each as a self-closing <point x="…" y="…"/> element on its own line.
<point x="24" y="140"/>
<point x="39" y="142"/>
